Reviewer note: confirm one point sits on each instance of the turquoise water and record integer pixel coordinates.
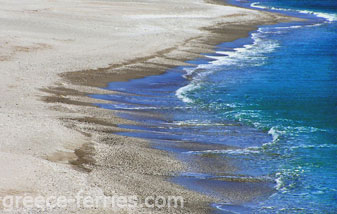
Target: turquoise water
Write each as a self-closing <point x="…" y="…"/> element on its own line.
<point x="284" y="81"/>
<point x="265" y="105"/>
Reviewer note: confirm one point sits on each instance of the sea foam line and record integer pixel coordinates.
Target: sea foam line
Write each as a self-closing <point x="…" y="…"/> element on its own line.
<point x="248" y="55"/>
<point x="327" y="16"/>
<point x="249" y="150"/>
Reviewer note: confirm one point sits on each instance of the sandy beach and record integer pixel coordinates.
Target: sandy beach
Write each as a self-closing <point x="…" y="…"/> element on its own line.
<point x="54" y="142"/>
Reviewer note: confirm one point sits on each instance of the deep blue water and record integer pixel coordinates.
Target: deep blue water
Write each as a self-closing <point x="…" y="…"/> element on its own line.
<point x="285" y="83"/>
<point x="266" y="105"/>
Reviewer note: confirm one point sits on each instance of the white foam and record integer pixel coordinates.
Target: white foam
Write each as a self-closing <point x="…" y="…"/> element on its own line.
<point x="303" y="146"/>
<point x="181" y="92"/>
<point x="327" y="16"/>
<point x="246" y="151"/>
<point x="257" y="5"/>
<point x="279" y="182"/>
<point x="251" y="54"/>
<point x="274" y="133"/>
<point x="248" y="55"/>
<point x="296" y="130"/>
<point x="290" y="27"/>
<point x="198" y="123"/>
<point x="285" y="176"/>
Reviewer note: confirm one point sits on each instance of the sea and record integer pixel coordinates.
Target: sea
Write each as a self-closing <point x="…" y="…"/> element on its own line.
<point x="261" y="112"/>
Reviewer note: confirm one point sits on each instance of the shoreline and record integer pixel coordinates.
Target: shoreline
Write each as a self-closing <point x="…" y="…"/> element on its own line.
<point x="81" y="133"/>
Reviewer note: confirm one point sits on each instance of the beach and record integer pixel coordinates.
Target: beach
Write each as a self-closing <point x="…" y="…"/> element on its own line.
<point x="54" y="141"/>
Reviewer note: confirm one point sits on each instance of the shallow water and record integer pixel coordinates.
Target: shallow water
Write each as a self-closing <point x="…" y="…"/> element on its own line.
<point x="257" y="122"/>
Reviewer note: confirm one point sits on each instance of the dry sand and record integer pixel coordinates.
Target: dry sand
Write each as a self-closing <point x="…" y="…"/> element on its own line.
<point x="52" y="140"/>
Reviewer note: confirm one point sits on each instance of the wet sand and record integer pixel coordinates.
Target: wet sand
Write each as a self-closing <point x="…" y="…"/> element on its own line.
<point x="53" y="140"/>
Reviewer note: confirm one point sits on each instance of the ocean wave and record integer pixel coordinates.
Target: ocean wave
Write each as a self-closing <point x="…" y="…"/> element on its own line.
<point x="246" y="151"/>
<point x="250" y="54"/>
<point x="181" y="92"/>
<point x="290" y="27"/>
<point x="198" y="123"/>
<point x="257" y="5"/>
<point x="275" y="134"/>
<point x="287" y="178"/>
<point x="303" y="146"/>
<point x="247" y="56"/>
<point x="327" y="16"/>
<point x="300" y="130"/>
